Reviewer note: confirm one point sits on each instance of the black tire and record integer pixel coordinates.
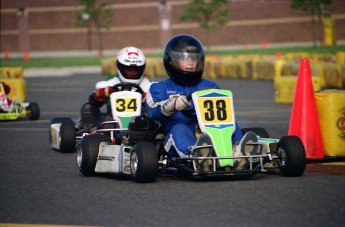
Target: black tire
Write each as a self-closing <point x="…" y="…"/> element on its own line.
<point x="144" y="162"/>
<point x="87" y="152"/>
<point x="291" y="156"/>
<point x="67" y="134"/>
<point x="67" y="137"/>
<point x="258" y="131"/>
<point x="34" y="111"/>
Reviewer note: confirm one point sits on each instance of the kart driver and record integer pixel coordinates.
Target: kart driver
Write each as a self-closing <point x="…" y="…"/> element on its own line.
<point x="130" y="65"/>
<point x="5" y="101"/>
<point x="183" y="60"/>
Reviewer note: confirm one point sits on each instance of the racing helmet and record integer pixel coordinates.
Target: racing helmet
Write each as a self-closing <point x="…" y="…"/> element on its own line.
<point x="184" y="47"/>
<point x="130" y="58"/>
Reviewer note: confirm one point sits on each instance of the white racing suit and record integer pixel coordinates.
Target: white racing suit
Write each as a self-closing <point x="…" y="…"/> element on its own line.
<point x="144" y="84"/>
<point x="180" y="129"/>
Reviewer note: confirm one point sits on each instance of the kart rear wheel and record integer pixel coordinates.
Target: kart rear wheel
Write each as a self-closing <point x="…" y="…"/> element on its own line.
<point x="291" y="156"/>
<point x="144" y="162"/>
<point x="261" y="132"/>
<point x="87" y="152"/>
<point x="33" y="111"/>
<point x="66" y="134"/>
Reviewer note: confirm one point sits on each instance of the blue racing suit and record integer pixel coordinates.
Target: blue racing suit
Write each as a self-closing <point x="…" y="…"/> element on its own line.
<point x="180" y="129"/>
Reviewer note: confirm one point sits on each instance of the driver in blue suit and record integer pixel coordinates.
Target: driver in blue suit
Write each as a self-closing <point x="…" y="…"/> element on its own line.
<point x="183" y="60"/>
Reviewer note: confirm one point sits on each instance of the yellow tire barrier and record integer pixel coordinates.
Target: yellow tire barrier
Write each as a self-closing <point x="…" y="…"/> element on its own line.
<point x="264" y="70"/>
<point x="108" y="66"/>
<point x="11" y="73"/>
<point x="18" y="88"/>
<point x="340" y="57"/>
<point x="331" y="111"/>
<point x="257" y="67"/>
<point x="331" y="76"/>
<point x="285" y="84"/>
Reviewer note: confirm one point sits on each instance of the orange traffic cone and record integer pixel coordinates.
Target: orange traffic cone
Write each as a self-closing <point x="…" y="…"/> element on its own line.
<point x="26" y="56"/>
<point x="6" y="54"/>
<point x="304" y="121"/>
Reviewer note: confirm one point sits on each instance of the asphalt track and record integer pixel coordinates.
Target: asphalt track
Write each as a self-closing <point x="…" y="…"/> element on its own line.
<point x="42" y="186"/>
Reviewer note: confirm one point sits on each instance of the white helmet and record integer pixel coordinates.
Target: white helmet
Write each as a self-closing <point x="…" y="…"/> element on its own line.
<point x="131" y="58"/>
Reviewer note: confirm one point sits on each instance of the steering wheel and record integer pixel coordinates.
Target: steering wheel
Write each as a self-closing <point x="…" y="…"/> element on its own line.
<point x="190" y="113"/>
<point x="124" y="85"/>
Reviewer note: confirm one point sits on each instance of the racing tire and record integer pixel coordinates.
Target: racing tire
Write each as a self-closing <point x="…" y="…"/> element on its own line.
<point x="144" y="162"/>
<point x="291" y="156"/>
<point x="34" y="111"/>
<point x="87" y="152"/>
<point x="67" y="134"/>
<point x="261" y="132"/>
<point x="67" y="137"/>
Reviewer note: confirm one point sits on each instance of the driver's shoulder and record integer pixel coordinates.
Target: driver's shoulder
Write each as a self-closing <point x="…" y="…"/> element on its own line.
<point x="208" y="84"/>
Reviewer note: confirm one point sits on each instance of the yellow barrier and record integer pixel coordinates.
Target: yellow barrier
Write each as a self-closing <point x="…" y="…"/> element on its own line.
<point x="11" y="73"/>
<point x="18" y="88"/>
<point x="230" y="69"/>
<point x="264" y="70"/>
<point x="159" y="68"/>
<point x="108" y="66"/>
<point x="149" y="69"/>
<point x="331" y="76"/>
<point x="340" y="57"/>
<point x="255" y="67"/>
<point x="285" y="84"/>
<point x="331" y="111"/>
<point x="285" y="88"/>
<point x="342" y="74"/>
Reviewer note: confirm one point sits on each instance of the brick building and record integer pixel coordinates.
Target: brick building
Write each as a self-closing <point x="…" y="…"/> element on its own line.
<point x="36" y="25"/>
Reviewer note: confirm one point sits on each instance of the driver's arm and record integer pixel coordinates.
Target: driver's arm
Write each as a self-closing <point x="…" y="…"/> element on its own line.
<point x="98" y="97"/>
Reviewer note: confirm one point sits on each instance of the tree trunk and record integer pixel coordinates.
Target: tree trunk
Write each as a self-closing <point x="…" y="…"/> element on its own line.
<point x="99" y="40"/>
<point x="314" y="30"/>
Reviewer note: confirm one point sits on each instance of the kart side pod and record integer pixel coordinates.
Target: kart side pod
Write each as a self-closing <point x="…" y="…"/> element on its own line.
<point x="113" y="159"/>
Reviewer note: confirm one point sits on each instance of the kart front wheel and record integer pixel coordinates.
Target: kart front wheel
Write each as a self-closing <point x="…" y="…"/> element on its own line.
<point x="291" y="156"/>
<point x="144" y="162"/>
<point x="87" y="152"/>
<point x="33" y="111"/>
<point x="66" y="137"/>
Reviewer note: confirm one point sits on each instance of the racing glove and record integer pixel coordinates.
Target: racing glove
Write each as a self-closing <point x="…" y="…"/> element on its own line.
<point x="102" y="93"/>
<point x="172" y="105"/>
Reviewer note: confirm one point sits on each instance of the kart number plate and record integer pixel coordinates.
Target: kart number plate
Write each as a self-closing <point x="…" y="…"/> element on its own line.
<point x="215" y="110"/>
<point x="127" y="105"/>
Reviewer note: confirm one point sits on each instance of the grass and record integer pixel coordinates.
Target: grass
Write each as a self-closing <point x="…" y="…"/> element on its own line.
<point x="95" y="61"/>
<point x="51" y="62"/>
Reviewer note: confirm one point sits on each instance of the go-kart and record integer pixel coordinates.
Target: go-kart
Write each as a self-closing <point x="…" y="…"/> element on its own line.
<point x="17" y="110"/>
<point x="144" y="160"/>
<point x="65" y="133"/>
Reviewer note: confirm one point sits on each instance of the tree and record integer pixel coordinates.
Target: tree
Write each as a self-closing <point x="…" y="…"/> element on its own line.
<point x="210" y="14"/>
<point x="314" y="8"/>
<point x="94" y="15"/>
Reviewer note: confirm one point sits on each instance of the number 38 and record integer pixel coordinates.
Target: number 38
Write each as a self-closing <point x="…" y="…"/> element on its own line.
<point x="215" y="110"/>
